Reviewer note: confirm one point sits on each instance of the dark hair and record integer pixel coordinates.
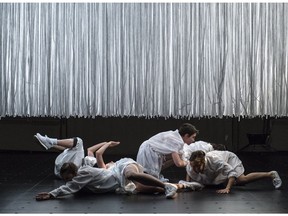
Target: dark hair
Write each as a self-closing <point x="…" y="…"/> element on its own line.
<point x="219" y="147"/>
<point x="197" y="155"/>
<point x="187" y="128"/>
<point x="68" y="168"/>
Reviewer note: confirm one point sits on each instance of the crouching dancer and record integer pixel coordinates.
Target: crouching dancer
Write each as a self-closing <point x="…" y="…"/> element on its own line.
<point x="217" y="167"/>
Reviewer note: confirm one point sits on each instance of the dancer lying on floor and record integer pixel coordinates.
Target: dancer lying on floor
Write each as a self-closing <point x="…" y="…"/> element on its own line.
<point x="125" y="174"/>
<point x="72" y="151"/>
<point x="217" y="167"/>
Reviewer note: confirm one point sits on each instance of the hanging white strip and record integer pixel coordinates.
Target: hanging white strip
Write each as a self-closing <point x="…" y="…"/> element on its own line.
<point x="143" y="59"/>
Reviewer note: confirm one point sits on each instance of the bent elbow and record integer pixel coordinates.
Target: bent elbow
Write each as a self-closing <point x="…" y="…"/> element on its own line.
<point x="180" y="164"/>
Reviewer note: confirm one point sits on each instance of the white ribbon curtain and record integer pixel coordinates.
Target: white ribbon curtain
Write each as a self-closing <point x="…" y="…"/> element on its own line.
<point x="143" y="59"/>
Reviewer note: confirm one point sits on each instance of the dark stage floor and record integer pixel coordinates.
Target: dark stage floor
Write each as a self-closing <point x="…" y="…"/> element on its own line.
<point x="24" y="174"/>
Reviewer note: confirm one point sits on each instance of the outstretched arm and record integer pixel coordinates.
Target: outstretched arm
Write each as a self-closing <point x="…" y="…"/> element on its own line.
<point x="83" y="178"/>
<point x="100" y="152"/>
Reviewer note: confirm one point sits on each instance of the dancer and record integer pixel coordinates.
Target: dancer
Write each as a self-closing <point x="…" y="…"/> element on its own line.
<point x="200" y="145"/>
<point x="134" y="180"/>
<point x="165" y="149"/>
<point x="124" y="175"/>
<point x="216" y="167"/>
<point x="72" y="151"/>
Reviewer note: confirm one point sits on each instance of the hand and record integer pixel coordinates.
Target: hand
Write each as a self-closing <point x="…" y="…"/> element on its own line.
<point x="223" y="191"/>
<point x="113" y="143"/>
<point x="43" y="196"/>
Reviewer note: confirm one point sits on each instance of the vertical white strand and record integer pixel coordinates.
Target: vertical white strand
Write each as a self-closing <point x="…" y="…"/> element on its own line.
<point x="143" y="59"/>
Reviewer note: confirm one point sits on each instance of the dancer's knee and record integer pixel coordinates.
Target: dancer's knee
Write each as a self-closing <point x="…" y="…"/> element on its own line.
<point x="131" y="172"/>
<point x="242" y="179"/>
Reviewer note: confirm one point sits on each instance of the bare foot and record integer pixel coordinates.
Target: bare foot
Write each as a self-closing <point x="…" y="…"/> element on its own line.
<point x="113" y="143"/>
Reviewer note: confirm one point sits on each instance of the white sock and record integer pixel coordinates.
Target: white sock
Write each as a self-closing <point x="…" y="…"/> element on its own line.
<point x="54" y="141"/>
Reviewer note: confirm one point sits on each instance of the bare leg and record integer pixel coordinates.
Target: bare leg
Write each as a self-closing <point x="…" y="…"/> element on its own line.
<point x="59" y="144"/>
<point x="152" y="184"/>
<point x="91" y="150"/>
<point x="251" y="177"/>
<point x="64" y="143"/>
<point x="132" y="173"/>
<point x="60" y="148"/>
<point x="99" y="153"/>
<point x="148" y="189"/>
<point x="180" y="186"/>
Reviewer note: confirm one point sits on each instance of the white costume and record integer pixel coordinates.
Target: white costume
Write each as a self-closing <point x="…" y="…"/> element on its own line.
<point x="97" y="180"/>
<point x="152" y="152"/>
<point x="219" y="166"/>
<point x="198" y="145"/>
<point x="118" y="171"/>
<point x="74" y="155"/>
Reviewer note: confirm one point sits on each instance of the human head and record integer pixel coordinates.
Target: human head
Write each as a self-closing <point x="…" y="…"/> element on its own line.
<point x="68" y="171"/>
<point x="220" y="147"/>
<point x="197" y="161"/>
<point x="188" y="132"/>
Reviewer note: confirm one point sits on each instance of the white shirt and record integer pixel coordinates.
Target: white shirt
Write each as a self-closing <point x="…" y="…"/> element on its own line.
<point x="97" y="180"/>
<point x="74" y="155"/>
<point x="219" y="166"/>
<point x="198" y="145"/>
<point x="118" y="169"/>
<point x="152" y="151"/>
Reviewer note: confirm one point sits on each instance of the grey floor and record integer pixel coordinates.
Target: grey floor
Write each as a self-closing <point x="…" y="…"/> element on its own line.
<point x="24" y="174"/>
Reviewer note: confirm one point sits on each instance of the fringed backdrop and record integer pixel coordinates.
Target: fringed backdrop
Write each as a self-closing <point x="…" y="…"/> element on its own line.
<point x="143" y="59"/>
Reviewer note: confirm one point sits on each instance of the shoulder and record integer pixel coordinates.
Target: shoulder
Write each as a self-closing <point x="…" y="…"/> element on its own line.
<point x="212" y="156"/>
<point x="88" y="170"/>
